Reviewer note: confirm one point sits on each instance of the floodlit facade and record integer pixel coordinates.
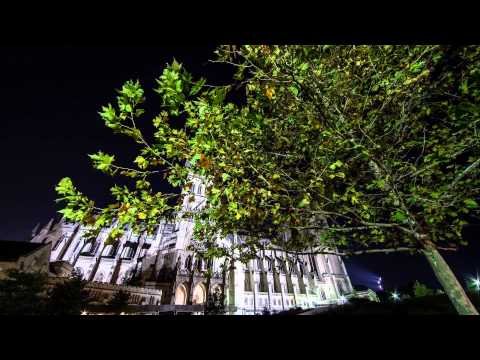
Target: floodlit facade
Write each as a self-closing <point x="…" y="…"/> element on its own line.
<point x="274" y="281"/>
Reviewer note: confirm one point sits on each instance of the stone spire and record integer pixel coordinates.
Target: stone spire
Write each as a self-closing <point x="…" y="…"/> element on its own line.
<point x="35" y="230"/>
<point x="42" y="234"/>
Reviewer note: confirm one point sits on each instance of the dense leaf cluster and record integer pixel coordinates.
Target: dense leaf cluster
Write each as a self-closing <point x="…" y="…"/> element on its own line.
<point x="335" y="146"/>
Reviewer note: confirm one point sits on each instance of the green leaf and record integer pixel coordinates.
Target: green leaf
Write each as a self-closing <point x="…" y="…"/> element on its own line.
<point x="417" y="67"/>
<point x="304" y="202"/>
<point x="225" y="177"/>
<point x="195" y="158"/>
<point x="303" y="67"/>
<point x="233" y="206"/>
<point x="157" y="121"/>
<point x="435" y="195"/>
<point x="102" y="161"/>
<point x="197" y="87"/>
<point x="381" y="184"/>
<point x="471" y="203"/>
<point x="65" y="186"/>
<point x="293" y="90"/>
<point x="335" y="165"/>
<point x="141" y="162"/>
<point x="464" y="87"/>
<point x="399" y="216"/>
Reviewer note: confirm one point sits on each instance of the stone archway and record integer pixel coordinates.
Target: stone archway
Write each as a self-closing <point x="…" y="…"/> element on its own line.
<point x="181" y="295"/>
<point x="199" y="294"/>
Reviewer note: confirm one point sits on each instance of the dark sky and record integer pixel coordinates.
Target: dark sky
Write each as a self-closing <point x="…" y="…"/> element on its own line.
<point x="49" y="100"/>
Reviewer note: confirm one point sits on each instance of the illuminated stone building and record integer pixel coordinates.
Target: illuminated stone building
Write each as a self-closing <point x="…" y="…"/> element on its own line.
<point x="274" y="280"/>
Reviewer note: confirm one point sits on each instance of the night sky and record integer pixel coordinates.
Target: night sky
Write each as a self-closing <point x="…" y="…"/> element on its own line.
<point x="49" y="100"/>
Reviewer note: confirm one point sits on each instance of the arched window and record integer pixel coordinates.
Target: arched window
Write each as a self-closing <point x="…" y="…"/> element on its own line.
<point x="188" y="262"/>
<point x="248" y="284"/>
<point x="63" y="237"/>
<point x="87" y="248"/>
<point x="107" y="250"/>
<point x="263" y="282"/>
<point x="199" y="294"/>
<point x="322" y="294"/>
<point x="266" y="263"/>
<point x="302" y="268"/>
<point x="128" y="252"/>
<point x="199" y="264"/>
<point x="258" y="264"/>
<point x="180" y="295"/>
<point x="76" y="247"/>
<point x="94" y="249"/>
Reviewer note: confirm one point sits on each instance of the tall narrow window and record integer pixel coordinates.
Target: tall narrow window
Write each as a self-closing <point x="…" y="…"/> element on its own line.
<point x="107" y="250"/>
<point x="248" y="283"/>
<point x="276" y="282"/>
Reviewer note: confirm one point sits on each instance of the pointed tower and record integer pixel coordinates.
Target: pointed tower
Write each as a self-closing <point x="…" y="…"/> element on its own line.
<point x="35" y="230"/>
<point x="43" y="233"/>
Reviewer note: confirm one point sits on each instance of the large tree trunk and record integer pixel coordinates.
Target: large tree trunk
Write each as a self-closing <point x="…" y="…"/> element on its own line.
<point x="449" y="282"/>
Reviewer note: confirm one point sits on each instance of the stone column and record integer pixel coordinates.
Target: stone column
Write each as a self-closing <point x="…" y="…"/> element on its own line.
<point x="282" y="286"/>
<point x="294" y="292"/>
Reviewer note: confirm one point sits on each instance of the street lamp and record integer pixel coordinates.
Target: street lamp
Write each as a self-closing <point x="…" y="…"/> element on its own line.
<point x="395" y="296"/>
<point x="476" y="283"/>
<point x="379" y="283"/>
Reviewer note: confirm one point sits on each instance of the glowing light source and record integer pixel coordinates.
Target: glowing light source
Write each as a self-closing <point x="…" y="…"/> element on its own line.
<point x="84" y="312"/>
<point x="122" y="313"/>
<point x="395" y="296"/>
<point x="476" y="283"/>
<point x="379" y="283"/>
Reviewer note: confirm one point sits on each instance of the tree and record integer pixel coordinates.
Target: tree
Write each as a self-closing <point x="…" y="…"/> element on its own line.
<point x="68" y="297"/>
<point x="215" y="303"/>
<point x="119" y="301"/>
<point x="421" y="290"/>
<point x="23" y="293"/>
<point x="355" y="148"/>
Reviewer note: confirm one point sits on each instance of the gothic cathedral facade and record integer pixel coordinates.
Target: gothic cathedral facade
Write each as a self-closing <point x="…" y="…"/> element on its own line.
<point x="274" y="281"/>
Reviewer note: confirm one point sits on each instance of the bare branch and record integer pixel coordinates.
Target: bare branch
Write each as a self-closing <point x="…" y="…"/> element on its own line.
<point x="464" y="172"/>
<point x="349" y="253"/>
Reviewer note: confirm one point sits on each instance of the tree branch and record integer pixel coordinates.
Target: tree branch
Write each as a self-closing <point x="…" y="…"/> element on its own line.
<point x="464" y="172"/>
<point x="361" y="252"/>
<point x="349" y="253"/>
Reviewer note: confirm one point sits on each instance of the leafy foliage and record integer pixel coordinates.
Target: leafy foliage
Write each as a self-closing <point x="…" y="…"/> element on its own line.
<point x="335" y="146"/>
<point x="119" y="300"/>
<point x="23" y="293"/>
<point x="68" y="297"/>
<point x="420" y="290"/>
<point x="215" y="304"/>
